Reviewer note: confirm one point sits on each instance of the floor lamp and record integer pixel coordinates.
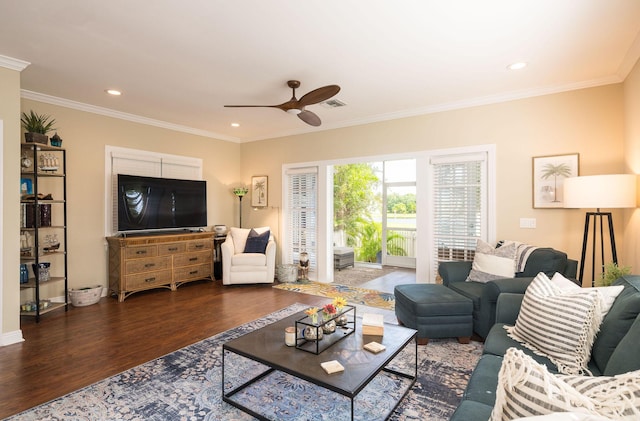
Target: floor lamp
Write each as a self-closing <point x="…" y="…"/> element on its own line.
<point x="240" y="192"/>
<point x="599" y="191"/>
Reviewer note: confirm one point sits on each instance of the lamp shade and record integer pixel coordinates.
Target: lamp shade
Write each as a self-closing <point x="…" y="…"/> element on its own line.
<point x="600" y="191"/>
<point x="240" y="191"/>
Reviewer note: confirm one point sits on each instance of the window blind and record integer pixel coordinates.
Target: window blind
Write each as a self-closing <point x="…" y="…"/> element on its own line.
<point x="302" y="215"/>
<point x="459" y="206"/>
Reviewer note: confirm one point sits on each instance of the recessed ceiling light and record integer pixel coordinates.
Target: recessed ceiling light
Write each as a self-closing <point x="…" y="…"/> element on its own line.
<point x="235" y="124"/>
<point x="517" y="66"/>
<point x="113" y="92"/>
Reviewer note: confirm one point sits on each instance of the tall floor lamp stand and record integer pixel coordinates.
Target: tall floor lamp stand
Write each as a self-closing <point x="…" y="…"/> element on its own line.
<point x="597" y="218"/>
<point x="608" y="191"/>
<point x="240" y="192"/>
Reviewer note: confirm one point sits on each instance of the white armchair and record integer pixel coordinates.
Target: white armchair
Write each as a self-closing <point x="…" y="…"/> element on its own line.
<point x="239" y="267"/>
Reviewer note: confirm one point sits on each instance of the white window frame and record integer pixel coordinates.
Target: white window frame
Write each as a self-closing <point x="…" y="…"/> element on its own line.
<point x="427" y="265"/>
<point x="425" y="272"/>
<point x="120" y="160"/>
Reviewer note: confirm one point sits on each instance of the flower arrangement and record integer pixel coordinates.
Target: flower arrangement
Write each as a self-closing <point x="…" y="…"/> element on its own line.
<point x="339" y="303"/>
<point x="312" y="312"/>
<point x="327" y="311"/>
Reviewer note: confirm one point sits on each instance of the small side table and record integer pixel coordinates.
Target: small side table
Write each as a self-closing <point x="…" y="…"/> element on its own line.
<point x="217" y="256"/>
<point x="342" y="257"/>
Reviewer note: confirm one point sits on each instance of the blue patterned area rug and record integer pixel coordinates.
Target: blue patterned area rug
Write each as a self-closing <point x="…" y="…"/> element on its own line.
<point x="186" y="385"/>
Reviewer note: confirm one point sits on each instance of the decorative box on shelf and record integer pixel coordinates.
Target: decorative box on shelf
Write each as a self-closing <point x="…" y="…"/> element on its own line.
<point x="316" y="337"/>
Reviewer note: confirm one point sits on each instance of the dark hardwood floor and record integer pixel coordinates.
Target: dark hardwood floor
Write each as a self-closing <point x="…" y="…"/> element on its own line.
<point x="70" y="350"/>
<point x="73" y="349"/>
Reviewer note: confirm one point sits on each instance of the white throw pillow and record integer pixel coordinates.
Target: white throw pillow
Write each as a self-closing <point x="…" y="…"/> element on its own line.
<point x="491" y="263"/>
<point x="526" y="389"/>
<point x="239" y="236"/>
<point x="609" y="294"/>
<point x="561" y="326"/>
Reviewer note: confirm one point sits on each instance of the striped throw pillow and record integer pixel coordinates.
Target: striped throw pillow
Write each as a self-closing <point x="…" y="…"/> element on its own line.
<point x="557" y="324"/>
<point x="526" y="388"/>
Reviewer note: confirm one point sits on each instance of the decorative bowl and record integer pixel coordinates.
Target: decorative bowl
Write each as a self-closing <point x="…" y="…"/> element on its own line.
<point x="220" y="230"/>
<point x="85" y="296"/>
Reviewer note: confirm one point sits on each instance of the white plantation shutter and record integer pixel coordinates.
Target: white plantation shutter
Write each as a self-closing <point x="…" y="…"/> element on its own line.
<point x="459" y="185"/>
<point x="302" y="215"/>
<point x="144" y="163"/>
<point x="182" y="168"/>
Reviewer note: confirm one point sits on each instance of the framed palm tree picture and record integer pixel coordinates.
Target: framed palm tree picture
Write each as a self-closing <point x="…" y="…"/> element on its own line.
<point x="549" y="173"/>
<point x="259" y="191"/>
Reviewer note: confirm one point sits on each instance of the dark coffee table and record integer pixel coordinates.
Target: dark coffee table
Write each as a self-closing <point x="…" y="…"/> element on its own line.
<point x="266" y="346"/>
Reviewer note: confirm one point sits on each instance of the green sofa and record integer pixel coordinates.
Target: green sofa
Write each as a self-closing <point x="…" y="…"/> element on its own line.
<point x="485" y="295"/>
<point x="615" y="350"/>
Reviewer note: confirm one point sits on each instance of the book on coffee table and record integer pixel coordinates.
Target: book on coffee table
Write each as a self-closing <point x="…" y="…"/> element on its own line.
<point x="374" y="347"/>
<point x="332" y="366"/>
<point x="372" y="324"/>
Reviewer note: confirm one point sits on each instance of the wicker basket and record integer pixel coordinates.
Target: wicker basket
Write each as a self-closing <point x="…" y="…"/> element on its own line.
<point x="287" y="273"/>
<point x="85" y="296"/>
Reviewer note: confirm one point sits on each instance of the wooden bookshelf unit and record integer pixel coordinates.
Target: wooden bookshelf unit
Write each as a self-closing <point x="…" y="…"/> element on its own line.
<point x="138" y="263"/>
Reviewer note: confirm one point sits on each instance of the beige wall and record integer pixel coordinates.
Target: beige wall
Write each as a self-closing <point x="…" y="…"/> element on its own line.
<point x="589" y="122"/>
<point x="10" y="114"/>
<point x="84" y="137"/>
<point x="631" y="249"/>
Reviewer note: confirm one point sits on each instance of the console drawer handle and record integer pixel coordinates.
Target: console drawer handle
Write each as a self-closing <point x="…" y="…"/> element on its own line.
<point x="149" y="265"/>
<point x="193" y="272"/>
<point x="150" y="279"/>
<point x="141" y="252"/>
<point x="173" y="248"/>
<point x="199" y="246"/>
<point x="193" y="259"/>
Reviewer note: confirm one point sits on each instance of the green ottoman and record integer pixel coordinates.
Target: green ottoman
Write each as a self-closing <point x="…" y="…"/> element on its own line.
<point x="434" y="311"/>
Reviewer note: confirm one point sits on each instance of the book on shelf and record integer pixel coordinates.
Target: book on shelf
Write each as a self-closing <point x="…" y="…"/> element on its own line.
<point x="372" y="324"/>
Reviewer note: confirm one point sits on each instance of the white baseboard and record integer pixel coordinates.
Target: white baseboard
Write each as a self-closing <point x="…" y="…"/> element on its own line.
<point x="11" y="338"/>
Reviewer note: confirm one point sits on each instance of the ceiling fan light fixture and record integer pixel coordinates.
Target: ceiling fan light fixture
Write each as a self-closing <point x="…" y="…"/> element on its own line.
<point x="517" y="66"/>
<point x="297" y="106"/>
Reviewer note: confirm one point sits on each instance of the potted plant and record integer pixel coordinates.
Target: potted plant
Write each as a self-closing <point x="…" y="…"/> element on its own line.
<point x="37" y="126"/>
<point x="612" y="272"/>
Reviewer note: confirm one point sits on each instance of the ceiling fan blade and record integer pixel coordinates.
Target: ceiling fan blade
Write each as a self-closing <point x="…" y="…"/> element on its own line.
<point x="252" y="106"/>
<point x="310" y="118"/>
<point x="318" y="95"/>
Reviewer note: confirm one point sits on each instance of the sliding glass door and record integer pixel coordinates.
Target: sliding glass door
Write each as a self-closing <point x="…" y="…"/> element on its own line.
<point x="399" y="213"/>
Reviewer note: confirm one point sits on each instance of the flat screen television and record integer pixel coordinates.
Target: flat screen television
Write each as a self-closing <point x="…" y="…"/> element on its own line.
<point x="152" y="203"/>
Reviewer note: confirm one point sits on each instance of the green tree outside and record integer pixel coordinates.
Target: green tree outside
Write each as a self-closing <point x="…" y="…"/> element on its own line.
<point x="369" y="234"/>
<point x="354" y="194"/>
<point x="401" y="203"/>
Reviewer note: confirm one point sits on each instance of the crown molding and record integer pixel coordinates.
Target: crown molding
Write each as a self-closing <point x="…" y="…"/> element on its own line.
<point x="437" y="108"/>
<point x="13" y="63"/>
<point x="630" y="59"/>
<point x="80" y="106"/>
<point x="457" y="105"/>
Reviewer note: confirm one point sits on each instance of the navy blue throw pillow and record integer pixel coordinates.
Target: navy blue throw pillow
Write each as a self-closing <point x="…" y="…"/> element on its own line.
<point x="257" y="243"/>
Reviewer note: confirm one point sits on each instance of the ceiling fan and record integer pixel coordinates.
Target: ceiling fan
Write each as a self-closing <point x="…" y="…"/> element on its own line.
<point x="297" y="106"/>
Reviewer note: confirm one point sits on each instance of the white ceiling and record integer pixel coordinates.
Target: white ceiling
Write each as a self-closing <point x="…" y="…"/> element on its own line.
<point x="179" y="62"/>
